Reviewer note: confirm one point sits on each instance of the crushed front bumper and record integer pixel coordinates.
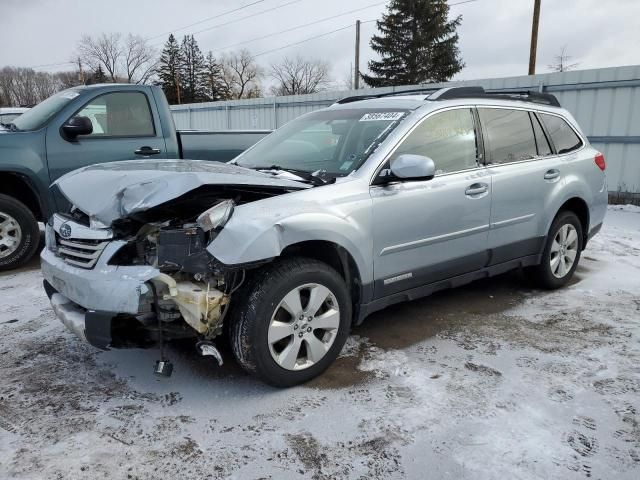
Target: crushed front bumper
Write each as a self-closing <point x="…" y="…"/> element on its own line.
<point x="87" y="300"/>
<point x="105" y="287"/>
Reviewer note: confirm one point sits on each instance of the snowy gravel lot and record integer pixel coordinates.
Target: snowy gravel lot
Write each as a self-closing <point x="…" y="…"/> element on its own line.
<point x="492" y="380"/>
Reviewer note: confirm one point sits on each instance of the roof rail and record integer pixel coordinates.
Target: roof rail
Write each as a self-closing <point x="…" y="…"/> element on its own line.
<point x="357" y="98"/>
<point x="451" y="93"/>
<point x="479" y="92"/>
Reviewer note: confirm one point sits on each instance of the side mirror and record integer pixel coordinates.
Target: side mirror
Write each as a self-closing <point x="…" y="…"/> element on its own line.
<point x="77" y="125"/>
<point x="413" y="167"/>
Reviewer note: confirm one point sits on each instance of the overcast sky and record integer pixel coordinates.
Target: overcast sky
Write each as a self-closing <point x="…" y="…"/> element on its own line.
<point x="494" y="35"/>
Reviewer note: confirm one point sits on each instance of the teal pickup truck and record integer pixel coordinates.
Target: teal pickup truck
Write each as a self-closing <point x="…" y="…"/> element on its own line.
<point x="79" y="127"/>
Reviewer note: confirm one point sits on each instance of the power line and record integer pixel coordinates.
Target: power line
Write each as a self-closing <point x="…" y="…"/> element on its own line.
<point x="269" y="35"/>
<point x="51" y="64"/>
<point x="309" y="39"/>
<point x="335" y="31"/>
<point x="267" y="10"/>
<point x="298" y="27"/>
<point x="206" y="19"/>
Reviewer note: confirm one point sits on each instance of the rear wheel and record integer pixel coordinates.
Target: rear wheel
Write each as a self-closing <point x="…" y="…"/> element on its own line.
<point x="291" y="322"/>
<point x="19" y="233"/>
<point x="561" y="253"/>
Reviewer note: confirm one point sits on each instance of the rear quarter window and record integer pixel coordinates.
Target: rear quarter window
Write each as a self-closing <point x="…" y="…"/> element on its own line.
<point x="563" y="136"/>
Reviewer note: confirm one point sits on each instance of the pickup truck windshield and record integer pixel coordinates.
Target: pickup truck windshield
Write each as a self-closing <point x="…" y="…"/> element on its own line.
<point x="336" y="142"/>
<point x="39" y="115"/>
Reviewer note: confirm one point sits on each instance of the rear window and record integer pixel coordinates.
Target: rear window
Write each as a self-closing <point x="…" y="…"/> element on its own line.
<point x="508" y="135"/>
<point x="562" y="135"/>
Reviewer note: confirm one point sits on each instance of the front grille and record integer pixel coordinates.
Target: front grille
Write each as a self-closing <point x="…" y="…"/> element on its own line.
<point x="80" y="252"/>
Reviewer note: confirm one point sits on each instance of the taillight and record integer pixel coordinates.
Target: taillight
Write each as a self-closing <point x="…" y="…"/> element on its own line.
<point x="600" y="161"/>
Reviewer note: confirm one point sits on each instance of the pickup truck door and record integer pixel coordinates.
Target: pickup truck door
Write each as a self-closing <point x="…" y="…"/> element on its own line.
<point x="125" y="126"/>
<point x="428" y="230"/>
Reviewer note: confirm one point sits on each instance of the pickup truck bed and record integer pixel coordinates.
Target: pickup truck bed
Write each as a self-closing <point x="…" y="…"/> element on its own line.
<point x="196" y="144"/>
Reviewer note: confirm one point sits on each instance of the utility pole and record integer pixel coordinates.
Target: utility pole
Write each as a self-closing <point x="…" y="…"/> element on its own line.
<point x="177" y="78"/>
<point x="356" y="80"/>
<point x="534" y="37"/>
<point x="80" y="72"/>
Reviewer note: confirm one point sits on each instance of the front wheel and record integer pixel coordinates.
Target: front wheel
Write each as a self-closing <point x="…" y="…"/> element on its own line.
<point x="19" y="233"/>
<point x="291" y="321"/>
<point x="561" y="252"/>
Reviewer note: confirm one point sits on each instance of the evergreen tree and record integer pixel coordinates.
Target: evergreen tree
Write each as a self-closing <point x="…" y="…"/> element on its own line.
<point x="192" y="71"/>
<point x="417" y="44"/>
<point x="213" y="79"/>
<point x="169" y="71"/>
<point x="99" y="75"/>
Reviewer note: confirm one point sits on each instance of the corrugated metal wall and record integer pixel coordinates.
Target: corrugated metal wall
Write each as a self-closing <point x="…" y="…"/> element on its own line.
<point x="606" y="103"/>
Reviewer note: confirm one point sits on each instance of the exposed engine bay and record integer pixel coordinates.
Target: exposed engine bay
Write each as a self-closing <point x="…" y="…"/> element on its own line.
<point x="172" y="237"/>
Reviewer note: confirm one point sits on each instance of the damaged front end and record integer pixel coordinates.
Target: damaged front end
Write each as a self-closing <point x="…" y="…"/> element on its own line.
<point x="137" y="272"/>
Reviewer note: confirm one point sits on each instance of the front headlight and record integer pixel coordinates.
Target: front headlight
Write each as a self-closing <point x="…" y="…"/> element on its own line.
<point x="216" y="217"/>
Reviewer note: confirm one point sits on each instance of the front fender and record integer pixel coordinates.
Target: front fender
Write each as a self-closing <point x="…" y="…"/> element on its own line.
<point x="250" y="238"/>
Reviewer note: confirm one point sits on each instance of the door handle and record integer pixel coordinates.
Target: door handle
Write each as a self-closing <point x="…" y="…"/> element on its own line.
<point x="146" y="150"/>
<point x="476" y="189"/>
<point x="552" y="174"/>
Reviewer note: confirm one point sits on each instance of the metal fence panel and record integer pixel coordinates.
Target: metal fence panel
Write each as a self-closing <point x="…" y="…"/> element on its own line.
<point x="606" y="103"/>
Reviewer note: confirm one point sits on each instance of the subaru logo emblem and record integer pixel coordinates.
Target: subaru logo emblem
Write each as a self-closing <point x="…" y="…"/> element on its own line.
<point x="65" y="230"/>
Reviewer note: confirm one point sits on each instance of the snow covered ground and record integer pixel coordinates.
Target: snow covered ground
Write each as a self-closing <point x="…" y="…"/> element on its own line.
<point x="492" y="380"/>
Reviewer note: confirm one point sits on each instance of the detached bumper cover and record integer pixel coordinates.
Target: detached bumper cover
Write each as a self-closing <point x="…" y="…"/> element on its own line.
<point x="90" y="326"/>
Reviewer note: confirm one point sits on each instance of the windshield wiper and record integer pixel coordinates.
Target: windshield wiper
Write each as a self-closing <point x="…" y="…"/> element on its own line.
<point x="311" y="177"/>
<point x="11" y="126"/>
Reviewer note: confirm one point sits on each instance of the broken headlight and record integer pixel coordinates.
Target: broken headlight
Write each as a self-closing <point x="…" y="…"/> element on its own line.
<point x="216" y="217"/>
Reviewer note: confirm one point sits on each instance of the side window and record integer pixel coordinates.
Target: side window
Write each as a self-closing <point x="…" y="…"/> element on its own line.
<point x="562" y="135"/>
<point x="544" y="149"/>
<point x="508" y="135"/>
<point x="120" y="114"/>
<point x="448" y="138"/>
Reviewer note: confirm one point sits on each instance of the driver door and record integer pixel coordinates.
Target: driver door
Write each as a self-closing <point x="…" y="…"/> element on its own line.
<point x="429" y="230"/>
<point x="123" y="124"/>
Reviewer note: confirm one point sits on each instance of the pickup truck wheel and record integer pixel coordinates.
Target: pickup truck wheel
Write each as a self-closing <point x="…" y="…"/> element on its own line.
<point x="561" y="252"/>
<point x="291" y="322"/>
<point x="19" y="233"/>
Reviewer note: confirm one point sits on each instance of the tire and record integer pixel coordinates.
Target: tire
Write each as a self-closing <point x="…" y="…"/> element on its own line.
<point x="19" y="233"/>
<point x="263" y="315"/>
<point x="554" y="270"/>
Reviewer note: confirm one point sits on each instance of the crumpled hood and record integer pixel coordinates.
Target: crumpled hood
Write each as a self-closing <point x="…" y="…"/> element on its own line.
<point x="109" y="191"/>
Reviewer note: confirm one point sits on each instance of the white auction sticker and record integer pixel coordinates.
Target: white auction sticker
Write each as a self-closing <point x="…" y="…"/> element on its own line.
<point x="70" y="95"/>
<point x="384" y="116"/>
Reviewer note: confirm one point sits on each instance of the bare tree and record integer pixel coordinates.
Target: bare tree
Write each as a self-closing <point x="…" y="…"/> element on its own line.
<point x="562" y="62"/>
<point x="346" y="81"/>
<point x="139" y="59"/>
<point x="131" y="59"/>
<point x="104" y="51"/>
<point x="295" y="76"/>
<point x="25" y="86"/>
<point x="241" y="74"/>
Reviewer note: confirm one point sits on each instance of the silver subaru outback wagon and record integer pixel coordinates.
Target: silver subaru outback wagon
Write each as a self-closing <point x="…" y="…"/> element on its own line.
<point x="341" y="212"/>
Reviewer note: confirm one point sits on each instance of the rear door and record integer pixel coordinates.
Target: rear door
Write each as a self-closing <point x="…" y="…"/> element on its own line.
<point x="124" y="127"/>
<point x="524" y="173"/>
<point x="429" y="230"/>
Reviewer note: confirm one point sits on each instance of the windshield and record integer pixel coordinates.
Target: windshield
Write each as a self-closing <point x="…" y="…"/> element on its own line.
<point x="336" y="142"/>
<point x="39" y="115"/>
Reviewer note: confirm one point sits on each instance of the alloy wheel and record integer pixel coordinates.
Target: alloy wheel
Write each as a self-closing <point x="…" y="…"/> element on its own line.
<point x="564" y="250"/>
<point x="303" y="326"/>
